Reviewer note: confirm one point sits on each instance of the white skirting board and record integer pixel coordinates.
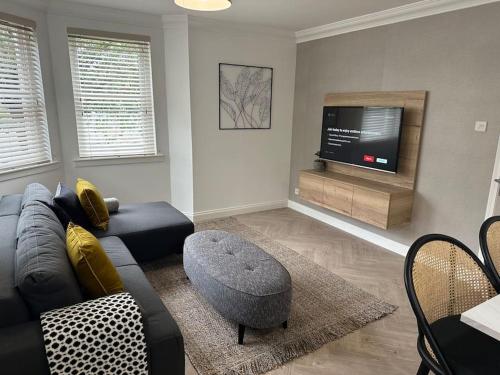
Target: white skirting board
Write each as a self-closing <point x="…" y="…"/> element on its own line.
<point x="236" y="210"/>
<point x="359" y="232"/>
<point x="376" y="239"/>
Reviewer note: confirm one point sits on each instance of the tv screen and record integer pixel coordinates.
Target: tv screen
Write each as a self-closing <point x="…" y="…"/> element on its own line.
<point x="363" y="136"/>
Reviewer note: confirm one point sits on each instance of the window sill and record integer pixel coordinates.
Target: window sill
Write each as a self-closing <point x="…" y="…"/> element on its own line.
<point x="29" y="170"/>
<point x="116" y="160"/>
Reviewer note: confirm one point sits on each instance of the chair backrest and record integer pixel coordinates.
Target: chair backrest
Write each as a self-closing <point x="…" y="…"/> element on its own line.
<point x="489" y="239"/>
<point x="443" y="278"/>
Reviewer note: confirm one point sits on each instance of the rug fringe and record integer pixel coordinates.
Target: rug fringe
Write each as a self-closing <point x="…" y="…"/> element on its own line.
<point x="311" y="341"/>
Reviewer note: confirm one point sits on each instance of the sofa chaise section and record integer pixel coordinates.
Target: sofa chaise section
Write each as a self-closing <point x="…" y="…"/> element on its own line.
<point x="149" y="230"/>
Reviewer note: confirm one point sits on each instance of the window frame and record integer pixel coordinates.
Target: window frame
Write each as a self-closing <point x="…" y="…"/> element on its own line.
<point x="35" y="72"/>
<point x="98" y="158"/>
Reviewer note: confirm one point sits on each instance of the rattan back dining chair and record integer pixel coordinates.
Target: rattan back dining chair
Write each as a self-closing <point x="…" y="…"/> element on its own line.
<point x="489" y="239"/>
<point x="443" y="279"/>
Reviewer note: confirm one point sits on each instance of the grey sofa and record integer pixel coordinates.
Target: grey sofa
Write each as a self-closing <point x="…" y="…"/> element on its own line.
<point x="35" y="276"/>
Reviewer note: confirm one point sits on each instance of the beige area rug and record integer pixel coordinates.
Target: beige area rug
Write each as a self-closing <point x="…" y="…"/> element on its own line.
<point x="325" y="307"/>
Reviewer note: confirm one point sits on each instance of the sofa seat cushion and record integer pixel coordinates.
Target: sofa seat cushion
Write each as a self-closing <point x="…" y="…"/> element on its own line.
<point x="117" y="251"/>
<point x="149" y="230"/>
<point x="43" y="272"/>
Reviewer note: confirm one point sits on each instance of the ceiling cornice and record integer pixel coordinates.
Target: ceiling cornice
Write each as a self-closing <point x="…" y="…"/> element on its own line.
<point x="386" y="17"/>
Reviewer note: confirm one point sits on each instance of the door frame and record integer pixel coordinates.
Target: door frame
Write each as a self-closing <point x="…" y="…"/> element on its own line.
<point x="495" y="186"/>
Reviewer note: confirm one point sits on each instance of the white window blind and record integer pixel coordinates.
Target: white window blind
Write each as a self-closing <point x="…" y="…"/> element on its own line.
<point x="113" y="94"/>
<point x="24" y="136"/>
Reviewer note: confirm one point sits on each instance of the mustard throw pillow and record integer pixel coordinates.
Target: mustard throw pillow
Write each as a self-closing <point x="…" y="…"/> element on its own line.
<point x="92" y="266"/>
<point x="93" y="203"/>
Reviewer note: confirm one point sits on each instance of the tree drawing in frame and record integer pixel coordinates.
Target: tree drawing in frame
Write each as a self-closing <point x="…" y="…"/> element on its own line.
<point x="245" y="96"/>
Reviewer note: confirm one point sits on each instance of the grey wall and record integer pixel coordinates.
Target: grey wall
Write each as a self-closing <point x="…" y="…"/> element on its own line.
<point x="237" y="169"/>
<point x="455" y="56"/>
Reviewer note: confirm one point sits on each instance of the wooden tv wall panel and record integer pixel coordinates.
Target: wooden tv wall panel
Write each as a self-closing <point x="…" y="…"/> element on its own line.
<point x="377" y="198"/>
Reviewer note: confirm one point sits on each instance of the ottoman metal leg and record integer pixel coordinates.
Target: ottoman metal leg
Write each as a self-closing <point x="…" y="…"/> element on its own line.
<point x="241" y="333"/>
<point x="285" y="324"/>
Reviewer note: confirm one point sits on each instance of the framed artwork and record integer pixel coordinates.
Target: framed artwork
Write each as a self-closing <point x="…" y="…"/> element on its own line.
<point x="245" y="97"/>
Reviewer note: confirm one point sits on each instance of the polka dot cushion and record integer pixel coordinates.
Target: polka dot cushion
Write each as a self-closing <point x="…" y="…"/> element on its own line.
<point x="101" y="336"/>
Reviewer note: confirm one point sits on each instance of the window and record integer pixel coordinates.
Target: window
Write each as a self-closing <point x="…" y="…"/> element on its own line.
<point x="113" y="94"/>
<point x="24" y="136"/>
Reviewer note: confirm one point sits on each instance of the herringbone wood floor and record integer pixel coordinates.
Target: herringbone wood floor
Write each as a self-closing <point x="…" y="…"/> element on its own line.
<point x="384" y="347"/>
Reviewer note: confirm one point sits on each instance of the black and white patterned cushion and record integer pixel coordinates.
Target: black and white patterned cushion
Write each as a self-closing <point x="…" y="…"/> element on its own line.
<point x="101" y="336"/>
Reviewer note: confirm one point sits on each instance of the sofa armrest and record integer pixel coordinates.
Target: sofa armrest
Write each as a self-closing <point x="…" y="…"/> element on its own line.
<point x="165" y="345"/>
<point x="22" y="351"/>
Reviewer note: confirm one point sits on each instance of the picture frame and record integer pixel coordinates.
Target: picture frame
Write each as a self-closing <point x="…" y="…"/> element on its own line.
<point x="245" y="97"/>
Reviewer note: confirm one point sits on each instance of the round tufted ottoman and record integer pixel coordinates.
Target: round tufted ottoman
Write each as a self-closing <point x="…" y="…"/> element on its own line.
<point x="240" y="280"/>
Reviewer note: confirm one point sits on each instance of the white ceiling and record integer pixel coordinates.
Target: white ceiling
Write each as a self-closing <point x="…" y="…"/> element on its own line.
<point x="292" y="15"/>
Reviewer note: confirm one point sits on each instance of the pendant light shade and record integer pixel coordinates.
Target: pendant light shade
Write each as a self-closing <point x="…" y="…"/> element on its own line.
<point x="204" y="5"/>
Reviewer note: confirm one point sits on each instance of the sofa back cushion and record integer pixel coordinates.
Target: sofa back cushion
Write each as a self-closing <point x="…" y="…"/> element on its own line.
<point x="66" y="199"/>
<point x="36" y="192"/>
<point x="10" y="204"/>
<point x="36" y="216"/>
<point x="43" y="272"/>
<point x="13" y="309"/>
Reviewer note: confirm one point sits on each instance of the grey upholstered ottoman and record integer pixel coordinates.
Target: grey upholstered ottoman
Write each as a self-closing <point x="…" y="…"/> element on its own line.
<point x="240" y="280"/>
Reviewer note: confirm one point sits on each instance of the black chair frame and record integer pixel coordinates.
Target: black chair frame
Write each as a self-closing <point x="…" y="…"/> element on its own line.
<point x="488" y="261"/>
<point x="439" y="367"/>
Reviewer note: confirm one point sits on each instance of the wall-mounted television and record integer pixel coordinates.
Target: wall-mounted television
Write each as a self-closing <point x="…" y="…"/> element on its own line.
<point x="363" y="136"/>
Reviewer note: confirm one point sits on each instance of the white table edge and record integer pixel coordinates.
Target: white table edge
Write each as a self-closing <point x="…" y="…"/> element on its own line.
<point x="466" y="317"/>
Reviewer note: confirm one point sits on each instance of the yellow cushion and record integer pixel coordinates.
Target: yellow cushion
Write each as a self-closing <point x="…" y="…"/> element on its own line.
<point x="92" y="203"/>
<point x="93" y="268"/>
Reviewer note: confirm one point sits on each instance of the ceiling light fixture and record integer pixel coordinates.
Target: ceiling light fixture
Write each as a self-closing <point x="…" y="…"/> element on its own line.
<point x="204" y="5"/>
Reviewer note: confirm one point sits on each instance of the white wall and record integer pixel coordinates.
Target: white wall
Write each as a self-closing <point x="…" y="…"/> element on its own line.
<point x="241" y="170"/>
<point x="17" y="183"/>
<point x="49" y="176"/>
<point x="141" y="180"/>
<point x="179" y="113"/>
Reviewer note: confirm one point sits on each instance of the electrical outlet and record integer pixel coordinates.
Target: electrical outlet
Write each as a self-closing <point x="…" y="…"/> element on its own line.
<point x="481" y="126"/>
<point x="297" y="191"/>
